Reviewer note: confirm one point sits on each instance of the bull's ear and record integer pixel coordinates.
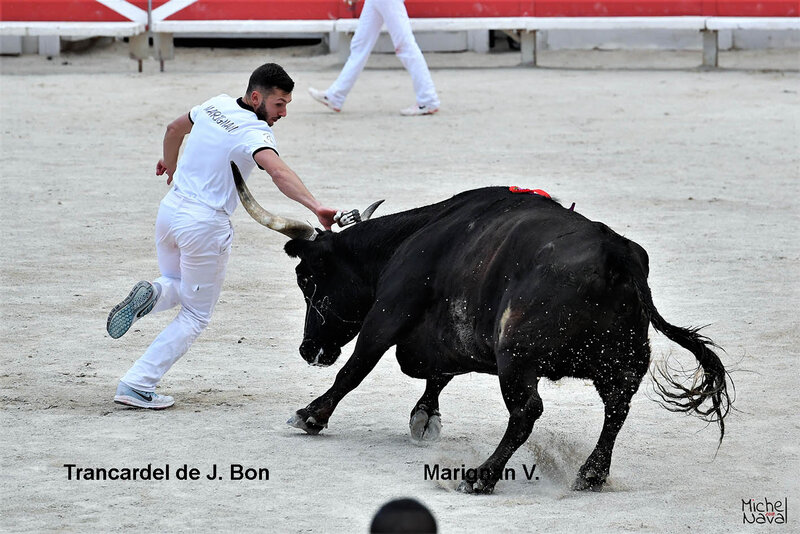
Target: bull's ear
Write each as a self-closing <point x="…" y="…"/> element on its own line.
<point x="296" y="248"/>
<point x="313" y="251"/>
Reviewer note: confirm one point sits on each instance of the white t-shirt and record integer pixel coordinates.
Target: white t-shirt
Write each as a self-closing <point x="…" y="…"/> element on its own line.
<point x="224" y="129"/>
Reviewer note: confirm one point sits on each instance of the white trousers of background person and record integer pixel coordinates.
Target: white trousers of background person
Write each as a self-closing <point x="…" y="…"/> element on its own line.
<point x="193" y="242"/>
<point x="393" y="13"/>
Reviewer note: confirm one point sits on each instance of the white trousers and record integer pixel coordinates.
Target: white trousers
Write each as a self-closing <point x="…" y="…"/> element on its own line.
<point x="193" y="243"/>
<point x="393" y="13"/>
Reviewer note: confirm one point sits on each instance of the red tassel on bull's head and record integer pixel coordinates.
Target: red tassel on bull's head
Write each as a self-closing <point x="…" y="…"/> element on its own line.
<point x="540" y="192"/>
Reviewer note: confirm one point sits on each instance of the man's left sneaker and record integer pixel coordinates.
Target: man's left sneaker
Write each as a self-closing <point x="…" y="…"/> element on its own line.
<point x="418" y="110"/>
<point x="141" y="399"/>
<point x="136" y="305"/>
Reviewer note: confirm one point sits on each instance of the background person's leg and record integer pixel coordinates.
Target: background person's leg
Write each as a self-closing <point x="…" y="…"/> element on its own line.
<point x="367" y="32"/>
<point x="407" y="50"/>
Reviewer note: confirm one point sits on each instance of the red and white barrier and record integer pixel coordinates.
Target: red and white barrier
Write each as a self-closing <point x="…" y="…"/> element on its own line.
<point x="195" y="10"/>
<point x="338" y="17"/>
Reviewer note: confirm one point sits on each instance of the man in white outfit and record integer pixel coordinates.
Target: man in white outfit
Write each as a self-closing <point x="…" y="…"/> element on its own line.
<point x="375" y="13"/>
<point x="193" y="228"/>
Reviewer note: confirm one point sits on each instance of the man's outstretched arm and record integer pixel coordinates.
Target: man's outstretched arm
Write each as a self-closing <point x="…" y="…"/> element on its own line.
<point x="290" y="185"/>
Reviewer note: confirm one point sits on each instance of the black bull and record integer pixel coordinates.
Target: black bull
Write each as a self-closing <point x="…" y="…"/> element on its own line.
<point x="495" y="282"/>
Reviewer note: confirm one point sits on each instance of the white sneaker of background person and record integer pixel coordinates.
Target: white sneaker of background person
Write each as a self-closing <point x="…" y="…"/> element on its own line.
<point x="418" y="110"/>
<point x="322" y="98"/>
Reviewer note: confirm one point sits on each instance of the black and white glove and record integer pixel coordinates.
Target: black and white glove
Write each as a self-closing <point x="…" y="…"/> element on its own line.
<point x="346" y="218"/>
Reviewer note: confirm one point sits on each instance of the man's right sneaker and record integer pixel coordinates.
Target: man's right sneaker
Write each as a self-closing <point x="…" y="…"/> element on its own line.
<point x="136" y="305"/>
<point x="320" y="97"/>
<point x="141" y="399"/>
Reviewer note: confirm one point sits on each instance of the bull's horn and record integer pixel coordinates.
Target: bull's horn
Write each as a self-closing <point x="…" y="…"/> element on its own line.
<point x="288" y="227"/>
<point x="370" y="210"/>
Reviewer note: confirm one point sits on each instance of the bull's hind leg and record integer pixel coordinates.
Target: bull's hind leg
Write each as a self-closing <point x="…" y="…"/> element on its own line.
<point x="616" y="395"/>
<point x="426" y="421"/>
<point x="518" y="383"/>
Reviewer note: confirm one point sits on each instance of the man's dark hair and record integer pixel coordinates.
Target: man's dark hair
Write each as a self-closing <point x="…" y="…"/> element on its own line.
<point x="403" y="515"/>
<point x="269" y="76"/>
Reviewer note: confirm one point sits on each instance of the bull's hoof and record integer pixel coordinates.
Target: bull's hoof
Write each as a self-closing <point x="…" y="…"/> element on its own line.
<point x="588" y="480"/>
<point x="478" y="488"/>
<point x="306" y="422"/>
<point x="425" y="427"/>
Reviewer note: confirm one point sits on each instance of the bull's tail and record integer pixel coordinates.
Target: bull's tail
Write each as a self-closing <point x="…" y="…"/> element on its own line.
<point x="707" y="396"/>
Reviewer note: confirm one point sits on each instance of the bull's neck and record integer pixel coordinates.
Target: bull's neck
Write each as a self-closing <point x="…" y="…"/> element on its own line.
<point x="372" y="243"/>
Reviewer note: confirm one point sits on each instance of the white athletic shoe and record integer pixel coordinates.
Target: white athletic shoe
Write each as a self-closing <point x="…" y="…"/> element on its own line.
<point x="320" y="97"/>
<point x="136" y="305"/>
<point x="141" y="399"/>
<point x="416" y="110"/>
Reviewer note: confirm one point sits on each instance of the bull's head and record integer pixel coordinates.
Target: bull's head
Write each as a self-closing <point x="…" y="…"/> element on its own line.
<point x="337" y="297"/>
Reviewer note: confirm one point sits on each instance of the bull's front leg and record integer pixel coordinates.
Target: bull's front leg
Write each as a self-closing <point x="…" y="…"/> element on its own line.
<point x="395" y="311"/>
<point x="314" y="417"/>
<point x="373" y="342"/>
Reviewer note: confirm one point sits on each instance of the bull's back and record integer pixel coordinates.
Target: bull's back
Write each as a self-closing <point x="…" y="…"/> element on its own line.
<point x="499" y="238"/>
<point x="520" y="271"/>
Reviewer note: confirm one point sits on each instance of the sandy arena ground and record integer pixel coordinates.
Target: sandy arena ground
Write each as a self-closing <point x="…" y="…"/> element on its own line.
<point x="700" y="168"/>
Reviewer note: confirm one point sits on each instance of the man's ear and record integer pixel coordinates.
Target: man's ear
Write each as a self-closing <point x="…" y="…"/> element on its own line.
<point x="256" y="98"/>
